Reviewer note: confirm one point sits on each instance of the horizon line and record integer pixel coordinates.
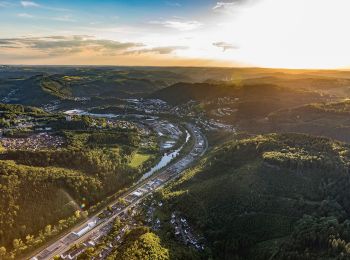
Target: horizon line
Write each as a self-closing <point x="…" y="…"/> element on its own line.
<point x="178" y="66"/>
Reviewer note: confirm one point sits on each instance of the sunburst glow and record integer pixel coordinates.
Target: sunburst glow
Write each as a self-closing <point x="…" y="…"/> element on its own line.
<point x="267" y="33"/>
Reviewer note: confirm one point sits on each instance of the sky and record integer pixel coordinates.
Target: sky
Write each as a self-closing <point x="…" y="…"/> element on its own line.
<point x="259" y="33"/>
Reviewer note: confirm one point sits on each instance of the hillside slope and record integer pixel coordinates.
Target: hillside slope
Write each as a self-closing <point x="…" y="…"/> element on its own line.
<point x="325" y="119"/>
<point x="232" y="103"/>
<point x="43" y="88"/>
<point x="249" y="197"/>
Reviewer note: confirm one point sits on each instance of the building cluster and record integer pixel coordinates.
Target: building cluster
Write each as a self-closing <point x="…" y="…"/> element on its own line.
<point x="184" y="232"/>
<point x="82" y="99"/>
<point x="212" y="125"/>
<point x="149" y="209"/>
<point x="146" y="188"/>
<point x="193" y="109"/>
<point x="51" y="106"/>
<point x="148" y="106"/>
<point x="25" y="124"/>
<point x="188" y="109"/>
<point x="169" y="133"/>
<point x="116" y="241"/>
<point x="99" y="236"/>
<point x="123" y="124"/>
<point x="111" y="120"/>
<point x="34" y="142"/>
<point x="8" y="98"/>
<point x="19" y="122"/>
<point x="224" y="111"/>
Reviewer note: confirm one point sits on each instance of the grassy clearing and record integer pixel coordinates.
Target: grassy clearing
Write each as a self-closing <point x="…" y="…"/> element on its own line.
<point x="138" y="159"/>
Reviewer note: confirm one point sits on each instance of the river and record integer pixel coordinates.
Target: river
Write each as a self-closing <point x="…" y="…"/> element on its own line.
<point x="164" y="161"/>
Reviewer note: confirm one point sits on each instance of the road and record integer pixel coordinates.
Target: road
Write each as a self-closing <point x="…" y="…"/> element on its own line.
<point x="95" y="226"/>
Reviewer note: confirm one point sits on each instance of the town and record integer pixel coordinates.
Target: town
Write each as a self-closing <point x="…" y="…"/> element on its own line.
<point x="124" y="209"/>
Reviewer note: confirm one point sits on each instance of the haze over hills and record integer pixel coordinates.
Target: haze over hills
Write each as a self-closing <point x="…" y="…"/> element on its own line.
<point x="123" y="82"/>
<point x="35" y="87"/>
<point x="265" y="175"/>
<point x="174" y="129"/>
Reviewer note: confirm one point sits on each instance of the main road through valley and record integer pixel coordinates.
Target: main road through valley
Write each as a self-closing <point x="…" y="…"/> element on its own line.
<point x="95" y="226"/>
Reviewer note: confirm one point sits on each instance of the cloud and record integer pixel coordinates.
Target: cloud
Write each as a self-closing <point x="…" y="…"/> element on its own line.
<point x="157" y="50"/>
<point x="95" y="22"/>
<point x="25" y="15"/>
<point x="59" y="45"/>
<point x="228" y="7"/>
<point x="173" y="4"/>
<point x="29" y="4"/>
<point x="225" y="46"/>
<point x="7" y="44"/>
<point x="6" y="4"/>
<point x="179" y="24"/>
<point x="65" y="18"/>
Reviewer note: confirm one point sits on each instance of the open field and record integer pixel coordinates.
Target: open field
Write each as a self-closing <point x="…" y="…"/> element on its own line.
<point x="138" y="159"/>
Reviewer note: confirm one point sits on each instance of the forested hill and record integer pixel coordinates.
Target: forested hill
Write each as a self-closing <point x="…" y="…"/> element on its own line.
<point x="184" y="92"/>
<point x="326" y="119"/>
<point x="269" y="197"/>
<point x="43" y="87"/>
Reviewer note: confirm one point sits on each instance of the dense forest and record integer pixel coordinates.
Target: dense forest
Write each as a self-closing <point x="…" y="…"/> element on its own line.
<point x="327" y="119"/>
<point x="184" y="92"/>
<point x="44" y="191"/>
<point x="268" y="197"/>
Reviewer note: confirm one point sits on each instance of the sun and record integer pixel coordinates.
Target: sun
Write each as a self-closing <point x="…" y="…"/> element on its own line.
<point x="291" y="34"/>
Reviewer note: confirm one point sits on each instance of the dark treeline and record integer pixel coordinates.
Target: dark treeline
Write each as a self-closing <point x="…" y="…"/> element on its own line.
<point x="269" y="197"/>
